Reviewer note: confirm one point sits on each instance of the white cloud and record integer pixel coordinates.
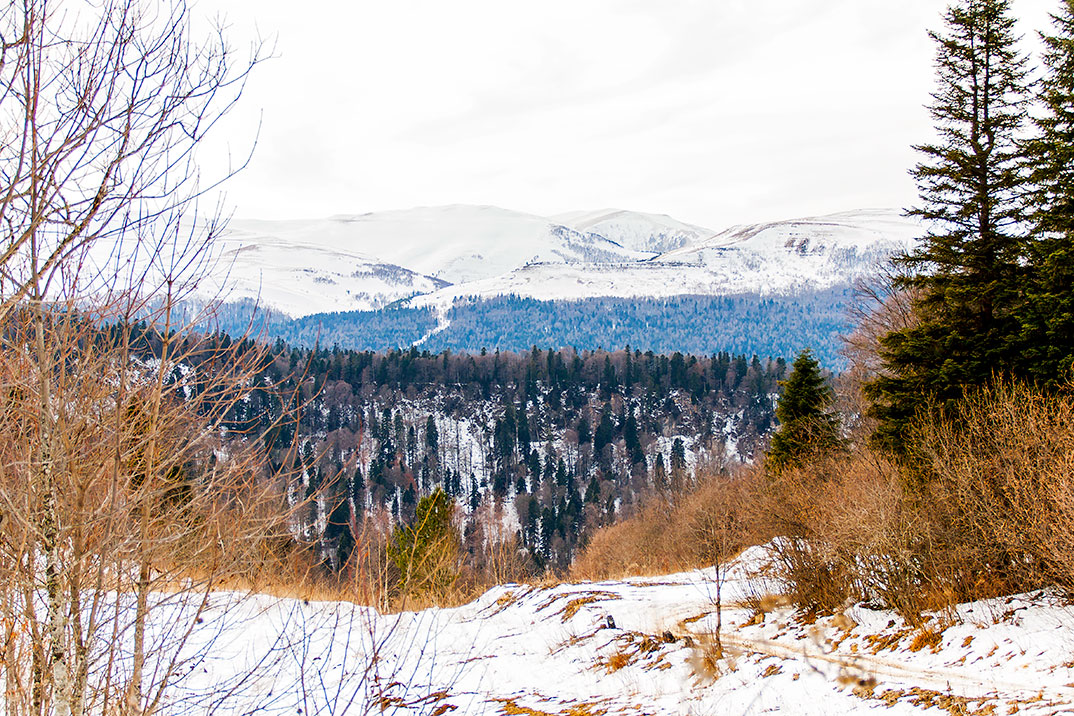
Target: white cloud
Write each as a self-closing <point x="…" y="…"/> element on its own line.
<point x="714" y="112"/>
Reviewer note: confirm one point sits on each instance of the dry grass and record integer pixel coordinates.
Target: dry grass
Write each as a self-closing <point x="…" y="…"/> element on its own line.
<point x="927" y="638"/>
<point x="618" y="660"/>
<point x="512" y="708"/>
<point x="675" y="534"/>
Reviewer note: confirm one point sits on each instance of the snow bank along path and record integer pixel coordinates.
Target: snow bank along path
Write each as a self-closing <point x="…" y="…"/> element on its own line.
<point x="638" y="646"/>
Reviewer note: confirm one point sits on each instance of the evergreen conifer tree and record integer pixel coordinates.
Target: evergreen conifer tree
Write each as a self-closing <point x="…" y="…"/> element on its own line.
<point x="426" y="552"/>
<point x="968" y="275"/>
<point x="584" y="436"/>
<point x="678" y="455"/>
<point x="432" y="437"/>
<point x="806" y="427"/>
<point x="660" y="474"/>
<point x="1049" y="316"/>
<point x="604" y="434"/>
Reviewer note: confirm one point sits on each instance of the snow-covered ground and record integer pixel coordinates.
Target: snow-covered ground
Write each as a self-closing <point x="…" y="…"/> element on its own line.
<point x="637" y="646"/>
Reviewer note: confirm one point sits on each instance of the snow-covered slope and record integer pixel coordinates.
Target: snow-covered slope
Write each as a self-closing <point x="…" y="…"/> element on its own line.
<point x="384" y="256"/>
<point x="302" y="275"/>
<point x="862" y="232"/>
<point x="442" y="253"/>
<point x="636" y="646"/>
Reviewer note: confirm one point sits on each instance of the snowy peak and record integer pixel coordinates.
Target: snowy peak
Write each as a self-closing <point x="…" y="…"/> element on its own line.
<point x="825" y="250"/>
<point x="297" y="275"/>
<point x="460" y="243"/>
<point x="455" y="243"/>
<point x="657" y="233"/>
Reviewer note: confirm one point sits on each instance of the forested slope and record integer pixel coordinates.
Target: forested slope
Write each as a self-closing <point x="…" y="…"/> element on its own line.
<point x="542" y="446"/>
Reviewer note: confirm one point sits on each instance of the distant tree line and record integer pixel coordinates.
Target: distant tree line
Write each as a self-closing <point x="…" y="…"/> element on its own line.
<point x="551" y="443"/>
<point x="744" y="324"/>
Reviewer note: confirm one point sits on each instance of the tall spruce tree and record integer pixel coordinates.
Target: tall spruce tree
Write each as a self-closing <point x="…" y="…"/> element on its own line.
<point x="968" y="274"/>
<point x="1049" y="316"/>
<point x="806" y="428"/>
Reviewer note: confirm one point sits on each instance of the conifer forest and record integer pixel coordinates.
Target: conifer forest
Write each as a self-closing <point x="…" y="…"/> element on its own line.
<point x="567" y="441"/>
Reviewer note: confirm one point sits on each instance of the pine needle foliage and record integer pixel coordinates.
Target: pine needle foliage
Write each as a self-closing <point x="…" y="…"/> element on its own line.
<point x="426" y="553"/>
<point x="969" y="270"/>
<point x="1049" y="316"/>
<point x="807" y="428"/>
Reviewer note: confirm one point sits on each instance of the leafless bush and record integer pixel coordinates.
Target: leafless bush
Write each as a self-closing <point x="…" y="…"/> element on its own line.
<point x="990" y="517"/>
<point x="496" y="559"/>
<point x="848" y="532"/>
<point x="881" y="308"/>
<point x="1001" y="477"/>
<point x="811" y="557"/>
<point x="710" y="523"/>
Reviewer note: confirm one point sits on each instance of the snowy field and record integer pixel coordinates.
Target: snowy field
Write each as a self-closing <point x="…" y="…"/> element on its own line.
<point x="639" y="646"/>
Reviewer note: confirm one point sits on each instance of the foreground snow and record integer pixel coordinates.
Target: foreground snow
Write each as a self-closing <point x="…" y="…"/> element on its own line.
<point x="634" y="646"/>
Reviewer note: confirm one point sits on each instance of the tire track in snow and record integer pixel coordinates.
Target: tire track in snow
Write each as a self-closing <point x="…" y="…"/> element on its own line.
<point x="895" y="673"/>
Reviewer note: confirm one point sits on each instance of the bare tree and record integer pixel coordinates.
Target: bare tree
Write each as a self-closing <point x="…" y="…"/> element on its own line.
<point x="722" y="523"/>
<point x="881" y="308"/>
<point x="119" y="488"/>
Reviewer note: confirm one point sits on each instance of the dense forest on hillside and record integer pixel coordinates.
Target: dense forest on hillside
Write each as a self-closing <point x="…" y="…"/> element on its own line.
<point x="744" y="324"/>
<point x="542" y="446"/>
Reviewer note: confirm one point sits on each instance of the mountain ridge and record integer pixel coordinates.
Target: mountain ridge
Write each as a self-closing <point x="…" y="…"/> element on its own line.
<point x="432" y="256"/>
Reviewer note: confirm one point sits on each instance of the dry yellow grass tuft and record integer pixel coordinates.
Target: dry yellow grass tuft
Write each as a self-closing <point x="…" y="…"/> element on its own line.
<point x="617" y="661"/>
<point x="928" y="637"/>
<point x="510" y="707"/>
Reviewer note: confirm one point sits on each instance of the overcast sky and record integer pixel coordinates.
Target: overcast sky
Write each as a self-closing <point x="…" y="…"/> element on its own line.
<point x="713" y="111"/>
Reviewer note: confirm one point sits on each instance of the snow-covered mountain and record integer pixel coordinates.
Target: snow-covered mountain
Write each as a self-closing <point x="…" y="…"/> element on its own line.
<point x="634" y="230"/>
<point x="861" y="232"/>
<point x="777" y="258"/>
<point x="293" y="268"/>
<point x="435" y="255"/>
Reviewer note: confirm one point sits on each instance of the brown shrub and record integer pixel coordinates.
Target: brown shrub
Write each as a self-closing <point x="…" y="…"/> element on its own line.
<point x="1000" y="474"/>
<point x="640" y="545"/>
<point x="993" y="516"/>
<point x="829" y="514"/>
<point x="990" y="517"/>
<point x="849" y="532"/>
<point x="715" y="520"/>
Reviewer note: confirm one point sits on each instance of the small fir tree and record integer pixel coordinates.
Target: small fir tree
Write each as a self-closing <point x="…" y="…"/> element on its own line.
<point x="807" y="428"/>
<point x="426" y="552"/>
